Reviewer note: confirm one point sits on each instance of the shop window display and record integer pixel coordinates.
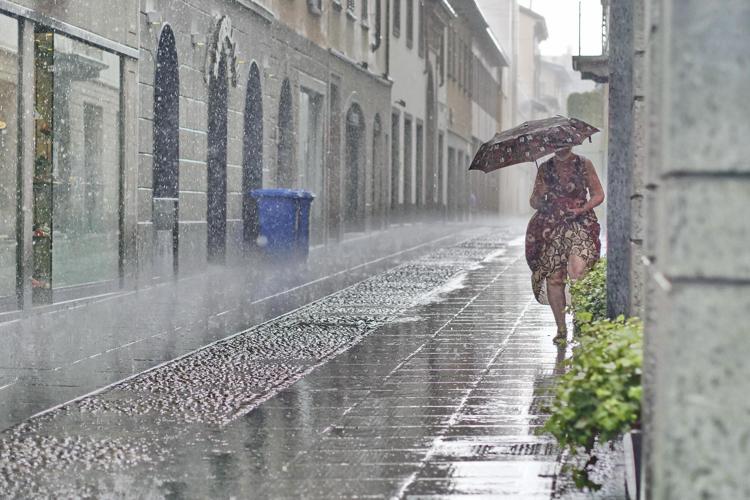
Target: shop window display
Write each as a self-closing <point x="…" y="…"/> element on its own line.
<point x="77" y="166"/>
<point x="8" y="159"/>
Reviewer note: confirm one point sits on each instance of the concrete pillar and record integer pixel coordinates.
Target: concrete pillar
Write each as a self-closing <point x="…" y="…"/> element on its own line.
<point x="620" y="157"/>
<point x="639" y="145"/>
<point x="698" y="293"/>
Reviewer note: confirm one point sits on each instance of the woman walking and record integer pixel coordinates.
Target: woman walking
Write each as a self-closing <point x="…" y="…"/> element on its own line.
<point x="562" y="239"/>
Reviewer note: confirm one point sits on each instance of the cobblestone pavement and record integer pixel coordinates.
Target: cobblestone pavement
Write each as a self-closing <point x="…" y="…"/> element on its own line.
<point x="426" y="381"/>
<point x="53" y="354"/>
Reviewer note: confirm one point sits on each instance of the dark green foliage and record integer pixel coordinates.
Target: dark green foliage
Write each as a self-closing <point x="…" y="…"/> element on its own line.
<point x="599" y="397"/>
<point x="587" y="106"/>
<point x="589" y="295"/>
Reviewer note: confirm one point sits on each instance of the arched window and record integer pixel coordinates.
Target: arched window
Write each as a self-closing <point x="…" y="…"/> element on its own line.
<point x="355" y="154"/>
<point x="166" y="139"/>
<point x="217" y="163"/>
<point x="285" y="123"/>
<point x="252" y="158"/>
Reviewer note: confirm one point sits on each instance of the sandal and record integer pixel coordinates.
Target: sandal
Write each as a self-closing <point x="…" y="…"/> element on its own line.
<point x="561" y="337"/>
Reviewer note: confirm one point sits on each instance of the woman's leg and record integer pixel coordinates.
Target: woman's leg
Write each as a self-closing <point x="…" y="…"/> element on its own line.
<point x="576" y="267"/>
<point x="556" y="297"/>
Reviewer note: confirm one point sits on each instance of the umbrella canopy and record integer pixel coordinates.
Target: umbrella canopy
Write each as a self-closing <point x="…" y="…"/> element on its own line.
<point x="530" y="141"/>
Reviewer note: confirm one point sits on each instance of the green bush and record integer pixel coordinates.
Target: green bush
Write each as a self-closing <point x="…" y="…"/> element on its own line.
<point x="589" y="295"/>
<point x="599" y="397"/>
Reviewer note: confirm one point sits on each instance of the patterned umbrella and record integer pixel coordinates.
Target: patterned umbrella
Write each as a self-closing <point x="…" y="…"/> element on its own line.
<point x="530" y="141"/>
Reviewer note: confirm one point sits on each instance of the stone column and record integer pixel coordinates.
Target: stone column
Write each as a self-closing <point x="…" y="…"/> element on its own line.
<point x="620" y="157"/>
<point x="639" y="145"/>
<point x="698" y="294"/>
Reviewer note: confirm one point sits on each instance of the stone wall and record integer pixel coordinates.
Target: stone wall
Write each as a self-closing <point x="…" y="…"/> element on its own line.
<point x="695" y="183"/>
<point x="280" y="53"/>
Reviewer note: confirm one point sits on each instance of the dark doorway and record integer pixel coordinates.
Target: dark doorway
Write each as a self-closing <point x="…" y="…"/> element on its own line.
<point x="408" y="169"/>
<point x="333" y="172"/>
<point x="355" y="149"/>
<point x="440" y="178"/>
<point x="395" y="147"/>
<point x="432" y="166"/>
<point x="166" y="152"/>
<point x="419" y="166"/>
<point x="252" y="158"/>
<point x="217" y="164"/>
<point x="285" y="167"/>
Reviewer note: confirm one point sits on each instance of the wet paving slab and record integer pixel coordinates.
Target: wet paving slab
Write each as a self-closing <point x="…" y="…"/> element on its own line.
<point x="425" y="381"/>
<point x="101" y="340"/>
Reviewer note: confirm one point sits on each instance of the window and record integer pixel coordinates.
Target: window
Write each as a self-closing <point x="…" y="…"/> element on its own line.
<point x="285" y="175"/>
<point x="354" y="174"/>
<point x="315" y="6"/>
<point x="252" y="157"/>
<point x="396" y="18"/>
<point x="395" y="163"/>
<point x="451" y="40"/>
<point x="77" y="167"/>
<point x="216" y="216"/>
<point x="420" y="29"/>
<point x="407" y="162"/>
<point x="450" y="199"/>
<point x="8" y="160"/>
<point x="465" y="66"/>
<point x="166" y="136"/>
<point x="441" y="60"/>
<point x="458" y="56"/>
<point x="409" y="23"/>
<point x="378" y="27"/>
<point x="472" y="68"/>
<point x="440" y="170"/>
<point x="376" y="167"/>
<point x="420" y="180"/>
<point x="350" y="6"/>
<point x="365" y="14"/>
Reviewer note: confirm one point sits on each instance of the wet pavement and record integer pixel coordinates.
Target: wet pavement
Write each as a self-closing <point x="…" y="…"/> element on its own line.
<point x="424" y="381"/>
<point x="59" y="353"/>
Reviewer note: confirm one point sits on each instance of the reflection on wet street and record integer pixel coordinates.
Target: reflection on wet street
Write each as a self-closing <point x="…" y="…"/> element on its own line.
<point x="425" y="381"/>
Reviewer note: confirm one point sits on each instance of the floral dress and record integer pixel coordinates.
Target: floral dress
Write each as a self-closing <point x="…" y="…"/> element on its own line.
<point x="553" y="234"/>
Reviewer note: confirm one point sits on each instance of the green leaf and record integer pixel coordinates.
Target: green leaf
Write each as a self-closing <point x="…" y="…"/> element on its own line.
<point x="599" y="397"/>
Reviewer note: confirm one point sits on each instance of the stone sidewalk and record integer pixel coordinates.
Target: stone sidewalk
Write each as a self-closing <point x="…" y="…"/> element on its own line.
<point x="426" y="381"/>
<point x="49" y="357"/>
<point x="453" y="415"/>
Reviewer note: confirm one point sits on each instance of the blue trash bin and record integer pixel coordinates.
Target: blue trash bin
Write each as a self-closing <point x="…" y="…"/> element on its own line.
<point x="284" y="217"/>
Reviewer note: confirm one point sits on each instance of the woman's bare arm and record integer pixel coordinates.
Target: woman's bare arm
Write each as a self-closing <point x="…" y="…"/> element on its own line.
<point x="540" y="189"/>
<point x="596" y="192"/>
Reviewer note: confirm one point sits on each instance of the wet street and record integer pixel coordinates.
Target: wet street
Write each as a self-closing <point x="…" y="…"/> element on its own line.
<point x="426" y="380"/>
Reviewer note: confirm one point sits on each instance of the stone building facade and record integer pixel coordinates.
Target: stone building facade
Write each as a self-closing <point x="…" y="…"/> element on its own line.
<point x="155" y="119"/>
<point x="678" y="115"/>
<point x="313" y="78"/>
